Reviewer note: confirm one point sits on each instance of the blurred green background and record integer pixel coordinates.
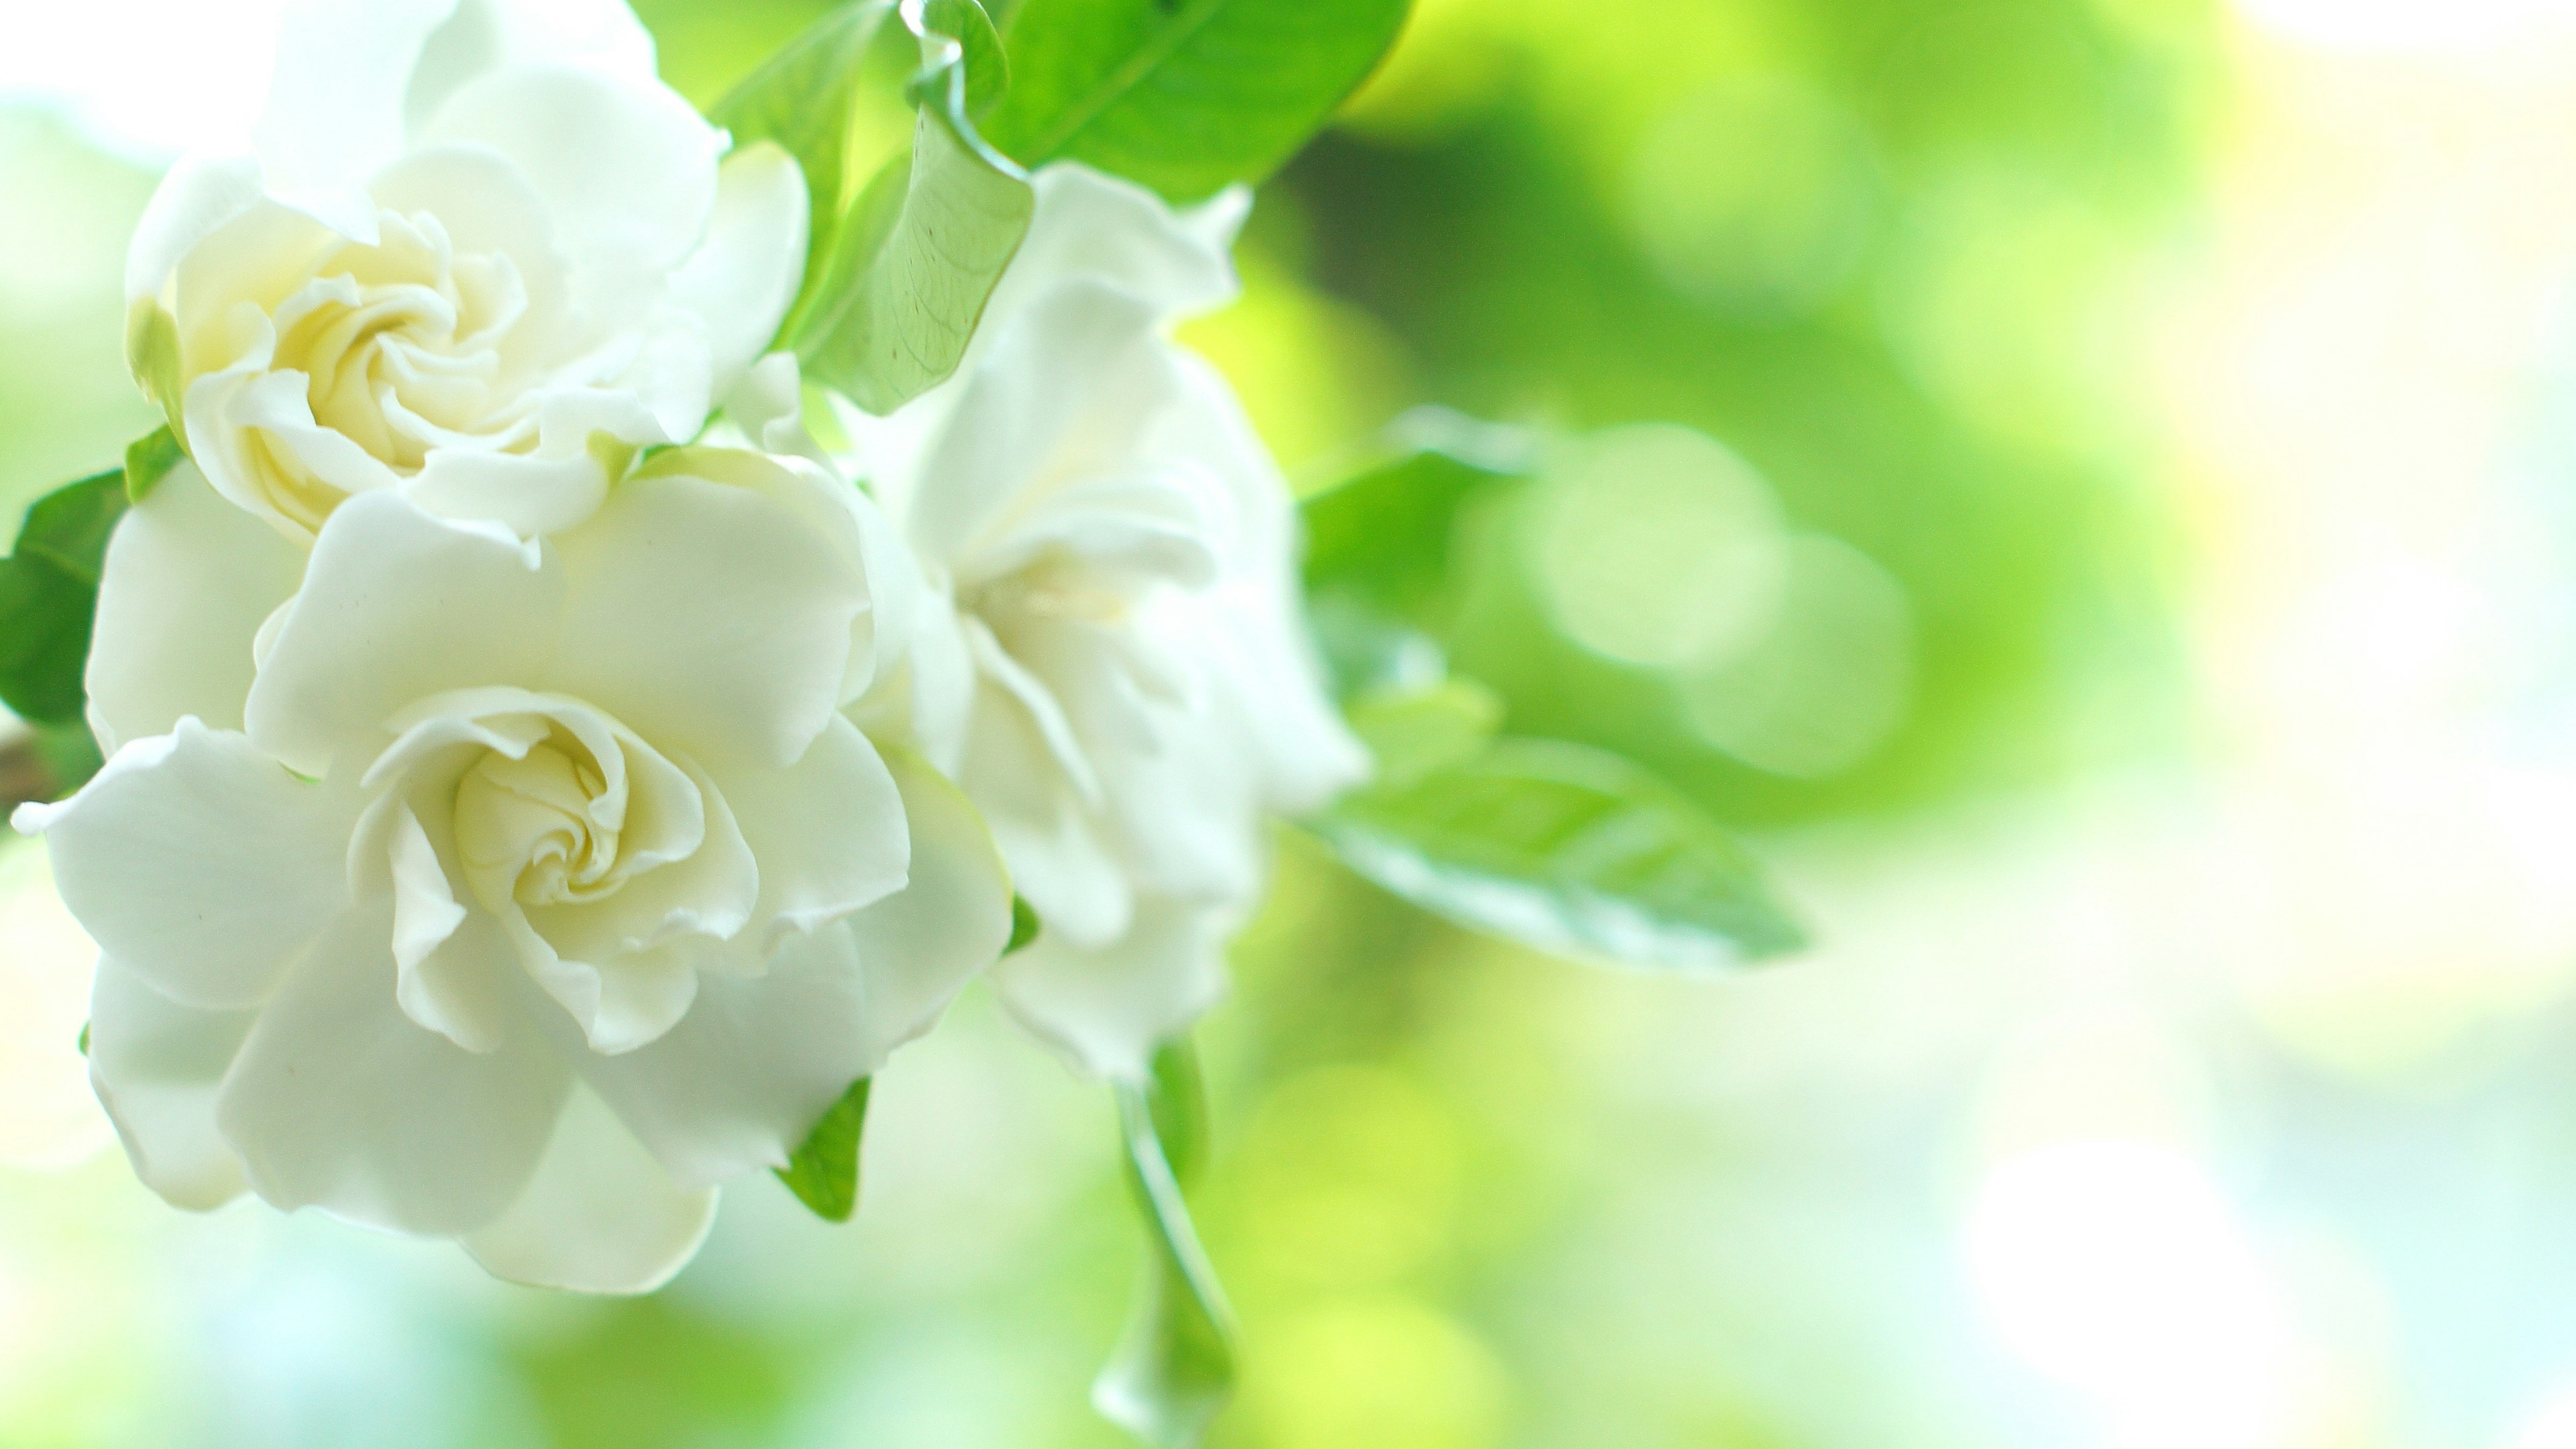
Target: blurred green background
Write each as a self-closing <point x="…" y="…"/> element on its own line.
<point x="2084" y="484"/>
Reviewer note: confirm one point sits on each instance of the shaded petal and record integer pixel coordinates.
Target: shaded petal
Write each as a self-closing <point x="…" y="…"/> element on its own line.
<point x="200" y="863"/>
<point x="156" y="1065"/>
<point x="708" y="617"/>
<point x="918" y="947"/>
<point x="599" y="1216"/>
<point x="1106" y="1008"/>
<point x="187" y="583"/>
<point x="627" y="168"/>
<point x="828" y="831"/>
<point x="742" y="278"/>
<point x="340" y="1101"/>
<point x="620" y="1004"/>
<point x="1030" y="413"/>
<point x="736" y="1085"/>
<point x="397" y="606"/>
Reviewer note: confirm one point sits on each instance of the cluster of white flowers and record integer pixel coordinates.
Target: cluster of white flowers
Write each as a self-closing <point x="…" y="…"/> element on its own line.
<point x="523" y="817"/>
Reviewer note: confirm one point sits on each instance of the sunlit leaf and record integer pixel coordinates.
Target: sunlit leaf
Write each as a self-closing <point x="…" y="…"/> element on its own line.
<point x="1025" y="924"/>
<point x="1174" y="1368"/>
<point x="824" y="1173"/>
<point x="48" y="595"/>
<point x="1185" y="96"/>
<point x="897" y="271"/>
<point x="802" y="99"/>
<point x="1566" y="848"/>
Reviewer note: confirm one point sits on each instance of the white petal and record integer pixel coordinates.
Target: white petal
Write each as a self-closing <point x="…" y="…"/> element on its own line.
<point x="484" y="204"/>
<point x="826" y="504"/>
<point x="627" y="168"/>
<point x="156" y="1065"/>
<point x="448" y="958"/>
<point x="707" y="617"/>
<point x="828" y="831"/>
<point x="1106" y="1009"/>
<point x="335" y="106"/>
<point x="528" y="495"/>
<point x="599" y="1216"/>
<point x="742" y="278"/>
<point x="188" y="581"/>
<point x="196" y="198"/>
<point x="398" y="606"/>
<point x="340" y="1101"/>
<point x="487" y="35"/>
<point x="622" y="1004"/>
<point x="1090" y="226"/>
<point x="918" y="947"/>
<point x="1035" y="396"/>
<point x="200" y="863"/>
<point x="740" y="1081"/>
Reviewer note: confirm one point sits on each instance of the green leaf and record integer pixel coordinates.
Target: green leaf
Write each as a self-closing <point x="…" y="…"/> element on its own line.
<point x="1174" y="1368"/>
<point x="898" y="272"/>
<point x="824" y="1173"/>
<point x="48" y="595"/>
<point x="148" y="460"/>
<point x="1185" y="96"/>
<point x="1566" y="848"/>
<point x="917" y="262"/>
<point x="1025" y="925"/>
<point x="1381" y="545"/>
<point x="804" y="98"/>
<point x="152" y="355"/>
<point x="1415" y="732"/>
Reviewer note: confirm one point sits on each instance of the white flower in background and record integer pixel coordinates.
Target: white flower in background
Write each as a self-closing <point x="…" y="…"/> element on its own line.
<point x="531" y="888"/>
<point x="1121" y="680"/>
<point x="478" y="250"/>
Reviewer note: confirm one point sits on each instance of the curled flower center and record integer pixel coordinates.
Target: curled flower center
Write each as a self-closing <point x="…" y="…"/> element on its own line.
<point x="406" y="345"/>
<point x="552" y="821"/>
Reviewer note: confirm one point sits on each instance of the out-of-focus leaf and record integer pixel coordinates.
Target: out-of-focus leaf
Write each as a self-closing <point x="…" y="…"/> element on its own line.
<point x="1025" y="924"/>
<point x="1174" y="1368"/>
<point x="1381" y="551"/>
<point x="918" y="256"/>
<point x="824" y="1173"/>
<point x="148" y="460"/>
<point x="1184" y="97"/>
<point x="48" y="595"/>
<point x="1415" y="732"/>
<point x="1566" y="848"/>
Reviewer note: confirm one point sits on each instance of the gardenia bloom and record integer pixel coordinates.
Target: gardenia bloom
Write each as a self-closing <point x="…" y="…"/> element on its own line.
<point x="530" y="889"/>
<point x="1119" y="677"/>
<point x="479" y="254"/>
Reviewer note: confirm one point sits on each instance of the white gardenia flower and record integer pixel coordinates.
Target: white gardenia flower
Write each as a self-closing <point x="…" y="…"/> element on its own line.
<point x="529" y="889"/>
<point x="1120" y="676"/>
<point x="480" y="252"/>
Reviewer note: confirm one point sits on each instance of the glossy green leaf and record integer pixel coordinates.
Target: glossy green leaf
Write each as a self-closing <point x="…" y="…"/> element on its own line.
<point x="824" y="1173"/>
<point x="48" y="594"/>
<point x="1185" y="96"/>
<point x="1174" y="1368"/>
<point x="1566" y="848"/>
<point x="1025" y="925"/>
<point x="148" y="460"/>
